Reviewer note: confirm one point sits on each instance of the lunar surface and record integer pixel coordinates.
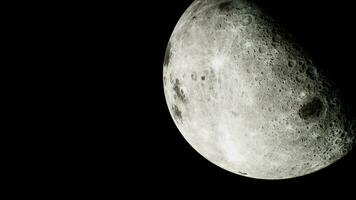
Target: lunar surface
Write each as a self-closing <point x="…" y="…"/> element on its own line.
<point x="248" y="98"/>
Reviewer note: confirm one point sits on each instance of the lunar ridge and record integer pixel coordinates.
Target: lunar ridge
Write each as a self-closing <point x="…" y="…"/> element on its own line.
<point x="247" y="97"/>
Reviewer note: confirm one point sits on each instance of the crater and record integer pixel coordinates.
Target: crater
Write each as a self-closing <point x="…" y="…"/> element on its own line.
<point x="262" y="49"/>
<point x="179" y="92"/>
<point x="246" y="20"/>
<point x="164" y="80"/>
<point x="312" y="109"/>
<point x="243" y="173"/>
<point x="292" y="63"/>
<point x="194" y="76"/>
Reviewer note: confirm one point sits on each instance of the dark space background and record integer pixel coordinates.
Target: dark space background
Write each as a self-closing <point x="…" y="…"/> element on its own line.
<point x="158" y="157"/>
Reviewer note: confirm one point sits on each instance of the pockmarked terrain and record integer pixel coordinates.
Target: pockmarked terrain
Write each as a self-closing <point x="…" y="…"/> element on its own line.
<point x="247" y="97"/>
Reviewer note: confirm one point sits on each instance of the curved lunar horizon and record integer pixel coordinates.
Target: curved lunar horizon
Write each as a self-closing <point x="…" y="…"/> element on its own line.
<point x="248" y="98"/>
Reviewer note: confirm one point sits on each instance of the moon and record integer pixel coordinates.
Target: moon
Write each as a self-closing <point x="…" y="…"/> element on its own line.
<point x="247" y="97"/>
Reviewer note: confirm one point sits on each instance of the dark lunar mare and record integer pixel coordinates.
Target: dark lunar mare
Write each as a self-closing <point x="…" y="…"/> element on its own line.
<point x="177" y="113"/>
<point x="167" y="55"/>
<point x="179" y="92"/>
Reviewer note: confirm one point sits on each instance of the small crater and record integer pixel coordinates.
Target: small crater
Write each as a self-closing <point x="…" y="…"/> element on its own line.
<point x="308" y="86"/>
<point x="262" y="49"/>
<point x="164" y="80"/>
<point x="167" y="55"/>
<point x="246" y="20"/>
<point x="312" y="109"/>
<point x="292" y="63"/>
<point x="301" y="63"/>
<point x="202" y="78"/>
<point x="194" y="76"/>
